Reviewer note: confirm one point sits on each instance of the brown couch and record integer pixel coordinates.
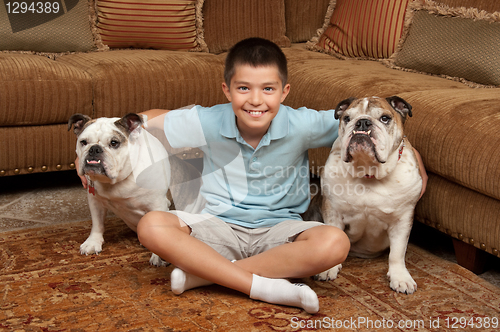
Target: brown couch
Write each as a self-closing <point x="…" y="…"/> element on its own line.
<point x="455" y="127"/>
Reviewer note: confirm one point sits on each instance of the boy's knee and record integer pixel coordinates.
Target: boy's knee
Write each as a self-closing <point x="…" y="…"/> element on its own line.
<point x="159" y="222"/>
<point x="335" y="244"/>
<point x="344" y="244"/>
<point x="147" y="224"/>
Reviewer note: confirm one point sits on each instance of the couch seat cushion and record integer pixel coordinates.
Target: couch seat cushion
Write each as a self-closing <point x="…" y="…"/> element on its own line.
<point x="323" y="80"/>
<point x="132" y="81"/>
<point x="35" y="90"/>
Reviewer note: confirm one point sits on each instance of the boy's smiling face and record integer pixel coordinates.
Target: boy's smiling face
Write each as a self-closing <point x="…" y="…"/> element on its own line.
<point x="255" y="94"/>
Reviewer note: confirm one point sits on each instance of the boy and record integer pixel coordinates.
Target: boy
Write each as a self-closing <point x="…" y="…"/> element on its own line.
<point x="255" y="181"/>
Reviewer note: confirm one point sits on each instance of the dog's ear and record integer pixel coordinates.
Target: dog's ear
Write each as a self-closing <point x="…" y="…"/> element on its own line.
<point x="400" y="105"/>
<point x="79" y="121"/>
<point x="342" y="106"/>
<point x="129" y="122"/>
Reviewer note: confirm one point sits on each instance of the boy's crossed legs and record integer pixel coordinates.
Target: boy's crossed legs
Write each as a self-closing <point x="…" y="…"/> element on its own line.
<point x="313" y="251"/>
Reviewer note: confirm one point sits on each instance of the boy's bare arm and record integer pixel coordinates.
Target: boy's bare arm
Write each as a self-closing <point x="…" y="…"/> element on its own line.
<point x="154" y="113"/>
<point x="154" y="119"/>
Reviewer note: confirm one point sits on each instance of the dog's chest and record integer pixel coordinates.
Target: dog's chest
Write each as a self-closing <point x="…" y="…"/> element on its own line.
<point x="129" y="210"/>
<point x="131" y="204"/>
<point x="369" y="205"/>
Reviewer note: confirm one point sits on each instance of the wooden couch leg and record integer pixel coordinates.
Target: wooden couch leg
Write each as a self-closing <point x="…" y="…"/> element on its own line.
<point x="470" y="257"/>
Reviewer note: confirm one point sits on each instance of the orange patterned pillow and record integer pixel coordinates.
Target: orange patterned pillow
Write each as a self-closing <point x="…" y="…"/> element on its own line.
<point x="157" y="24"/>
<point x="363" y="28"/>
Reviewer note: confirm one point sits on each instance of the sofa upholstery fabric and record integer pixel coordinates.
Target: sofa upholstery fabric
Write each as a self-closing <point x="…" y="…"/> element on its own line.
<point x="128" y="81"/>
<point x="35" y="90"/>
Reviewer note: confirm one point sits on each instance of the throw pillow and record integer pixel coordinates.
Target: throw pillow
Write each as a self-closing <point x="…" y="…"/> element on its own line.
<point x="457" y="43"/>
<point x="362" y="28"/>
<point x="226" y="22"/>
<point x="155" y="24"/>
<point x="304" y="18"/>
<point x="50" y="26"/>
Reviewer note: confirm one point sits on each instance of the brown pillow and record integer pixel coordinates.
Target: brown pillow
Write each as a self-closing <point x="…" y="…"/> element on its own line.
<point x="52" y="28"/>
<point x="304" y="18"/>
<point x="457" y="43"/>
<point x="156" y="24"/>
<point x="226" y="22"/>
<point x="362" y="29"/>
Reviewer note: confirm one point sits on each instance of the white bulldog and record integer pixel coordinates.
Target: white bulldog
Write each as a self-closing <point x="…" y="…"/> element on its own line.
<point x="371" y="184"/>
<point x="129" y="173"/>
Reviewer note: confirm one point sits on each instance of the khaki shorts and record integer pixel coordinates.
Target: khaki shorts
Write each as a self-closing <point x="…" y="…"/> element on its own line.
<point x="237" y="242"/>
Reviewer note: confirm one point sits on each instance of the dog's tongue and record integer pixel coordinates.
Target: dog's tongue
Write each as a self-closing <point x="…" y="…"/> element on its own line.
<point x="93" y="161"/>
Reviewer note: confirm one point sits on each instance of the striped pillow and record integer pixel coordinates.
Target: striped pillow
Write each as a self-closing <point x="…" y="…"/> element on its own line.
<point x="363" y="28"/>
<point x="157" y="24"/>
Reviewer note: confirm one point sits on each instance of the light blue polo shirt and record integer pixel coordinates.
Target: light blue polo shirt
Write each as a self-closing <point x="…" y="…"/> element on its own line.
<point x="253" y="187"/>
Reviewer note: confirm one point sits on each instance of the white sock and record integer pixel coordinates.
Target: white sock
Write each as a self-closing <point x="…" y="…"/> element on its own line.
<point x="181" y="281"/>
<point x="281" y="291"/>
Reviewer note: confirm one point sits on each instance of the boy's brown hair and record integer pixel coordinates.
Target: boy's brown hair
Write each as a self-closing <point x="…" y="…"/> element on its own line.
<point x="256" y="52"/>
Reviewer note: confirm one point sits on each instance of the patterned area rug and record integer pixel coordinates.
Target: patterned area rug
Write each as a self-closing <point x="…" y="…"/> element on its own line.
<point x="46" y="285"/>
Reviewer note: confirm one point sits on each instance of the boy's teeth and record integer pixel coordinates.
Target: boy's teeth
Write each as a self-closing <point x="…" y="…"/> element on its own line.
<point x="255" y="112"/>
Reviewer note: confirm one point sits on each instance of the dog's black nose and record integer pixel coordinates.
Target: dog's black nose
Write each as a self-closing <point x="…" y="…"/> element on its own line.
<point x="95" y="150"/>
<point x="363" y="125"/>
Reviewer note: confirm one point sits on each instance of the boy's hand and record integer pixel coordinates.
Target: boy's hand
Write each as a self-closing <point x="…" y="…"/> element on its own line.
<point x="423" y="173"/>
<point x="82" y="177"/>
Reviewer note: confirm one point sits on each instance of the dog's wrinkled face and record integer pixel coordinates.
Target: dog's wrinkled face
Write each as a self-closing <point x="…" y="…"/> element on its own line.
<point x="102" y="146"/>
<point x="371" y="128"/>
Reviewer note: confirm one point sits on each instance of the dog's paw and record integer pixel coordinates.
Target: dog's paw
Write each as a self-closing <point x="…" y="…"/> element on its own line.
<point x="157" y="261"/>
<point x="330" y="274"/>
<point x="93" y="245"/>
<point x="402" y="282"/>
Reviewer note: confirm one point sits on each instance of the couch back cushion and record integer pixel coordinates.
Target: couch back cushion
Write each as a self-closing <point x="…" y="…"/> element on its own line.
<point x="156" y="24"/>
<point x="46" y="26"/>
<point x="363" y="29"/>
<point x="304" y="18"/>
<point x="226" y="22"/>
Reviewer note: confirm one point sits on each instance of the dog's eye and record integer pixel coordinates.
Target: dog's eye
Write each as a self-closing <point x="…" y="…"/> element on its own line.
<point x="83" y="142"/>
<point x="347" y="119"/>
<point x="385" y="119"/>
<point x="114" y="144"/>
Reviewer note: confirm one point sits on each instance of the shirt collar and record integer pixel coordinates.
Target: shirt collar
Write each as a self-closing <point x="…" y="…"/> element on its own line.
<point x="277" y="130"/>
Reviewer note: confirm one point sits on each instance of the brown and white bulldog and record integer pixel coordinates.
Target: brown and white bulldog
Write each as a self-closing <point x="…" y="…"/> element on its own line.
<point x="130" y="173"/>
<point x="371" y="183"/>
